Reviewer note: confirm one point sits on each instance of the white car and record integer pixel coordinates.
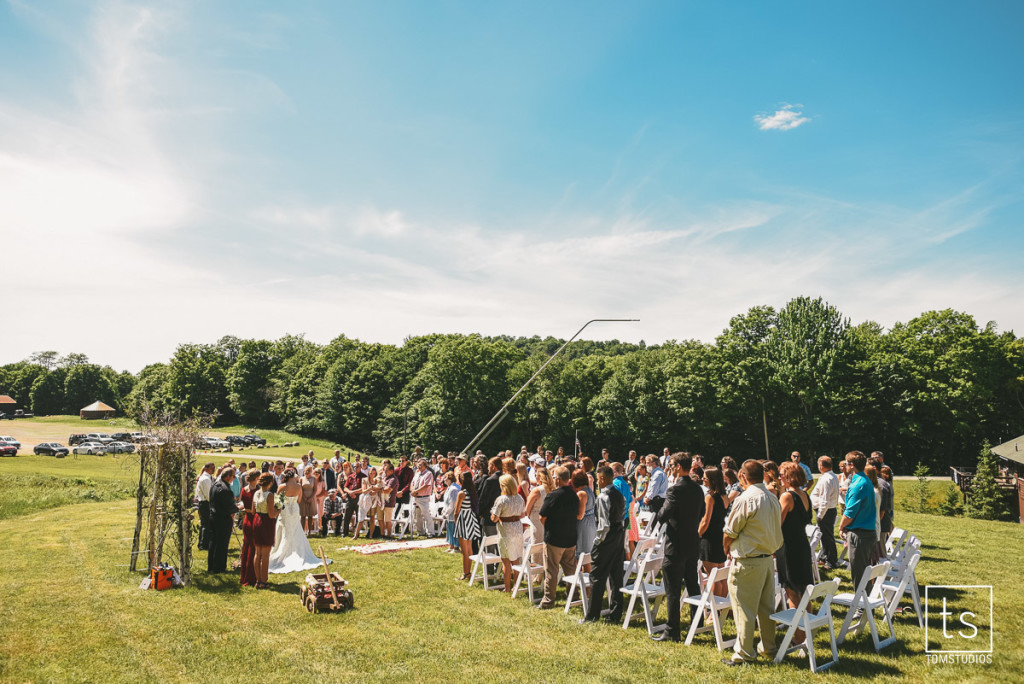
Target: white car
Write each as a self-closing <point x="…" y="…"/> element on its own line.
<point x="7" y="439"/>
<point x="90" y="448"/>
<point x="99" y="437"/>
<point x="120" y="448"/>
<point x="214" y="443"/>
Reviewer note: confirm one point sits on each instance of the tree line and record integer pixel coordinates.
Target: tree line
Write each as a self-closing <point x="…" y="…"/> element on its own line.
<point x="930" y="390"/>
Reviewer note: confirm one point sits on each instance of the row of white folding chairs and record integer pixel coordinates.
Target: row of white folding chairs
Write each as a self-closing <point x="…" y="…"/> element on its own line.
<point x="405" y="514"/>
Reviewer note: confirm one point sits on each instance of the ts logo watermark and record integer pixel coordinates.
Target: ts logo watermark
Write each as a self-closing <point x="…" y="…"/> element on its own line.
<point x="962" y="630"/>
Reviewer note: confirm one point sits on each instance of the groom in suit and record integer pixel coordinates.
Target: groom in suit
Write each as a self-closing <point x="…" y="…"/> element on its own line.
<point x="682" y="512"/>
<point x="222" y="515"/>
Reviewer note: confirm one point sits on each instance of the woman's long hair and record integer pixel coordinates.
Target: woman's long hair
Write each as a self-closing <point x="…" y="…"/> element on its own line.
<point x="467" y="486"/>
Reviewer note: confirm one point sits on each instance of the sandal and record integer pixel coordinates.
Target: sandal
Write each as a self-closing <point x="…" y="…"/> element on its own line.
<point x="465" y="576"/>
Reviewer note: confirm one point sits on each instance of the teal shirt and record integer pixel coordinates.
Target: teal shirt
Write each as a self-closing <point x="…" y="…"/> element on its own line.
<point x="623" y="487"/>
<point x="860" y="503"/>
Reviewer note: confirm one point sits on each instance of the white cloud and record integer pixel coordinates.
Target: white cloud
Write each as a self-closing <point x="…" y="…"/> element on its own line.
<point x="785" y="119"/>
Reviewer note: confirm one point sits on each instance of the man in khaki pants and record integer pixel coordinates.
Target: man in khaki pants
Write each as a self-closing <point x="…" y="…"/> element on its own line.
<point x="753" y="532"/>
<point x="558" y="513"/>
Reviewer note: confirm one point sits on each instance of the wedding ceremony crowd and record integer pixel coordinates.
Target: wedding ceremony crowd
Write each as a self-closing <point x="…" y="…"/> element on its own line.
<point x="752" y="517"/>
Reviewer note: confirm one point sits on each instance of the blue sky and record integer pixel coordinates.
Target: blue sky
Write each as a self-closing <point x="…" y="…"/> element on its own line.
<point x="386" y="169"/>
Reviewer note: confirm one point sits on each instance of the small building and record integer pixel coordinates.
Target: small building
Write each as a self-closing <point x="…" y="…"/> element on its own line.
<point x="1012" y="453"/>
<point x="7" y="405"/>
<point x="97" y="411"/>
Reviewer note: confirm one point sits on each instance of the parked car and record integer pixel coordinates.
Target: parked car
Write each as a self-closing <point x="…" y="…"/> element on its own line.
<point x="256" y="440"/>
<point x="120" y="448"/>
<point x="20" y="413"/>
<point x="77" y="438"/>
<point x="100" y="437"/>
<point x="90" y="448"/>
<point x="236" y="440"/>
<point x="4" y="416"/>
<point x="121" y="437"/>
<point x="8" y="450"/>
<point x="213" y="443"/>
<point x="136" y="437"/>
<point x="50" y="449"/>
<point x="10" y="440"/>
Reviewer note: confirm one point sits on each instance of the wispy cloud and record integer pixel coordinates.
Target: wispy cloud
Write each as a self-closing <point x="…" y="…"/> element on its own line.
<point x="785" y="119"/>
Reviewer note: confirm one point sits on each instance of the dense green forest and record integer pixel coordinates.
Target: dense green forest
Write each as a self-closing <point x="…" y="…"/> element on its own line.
<point x="930" y="390"/>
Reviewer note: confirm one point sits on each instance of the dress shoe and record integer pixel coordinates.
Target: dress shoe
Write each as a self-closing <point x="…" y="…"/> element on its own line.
<point x="729" y="662"/>
<point x="549" y="606"/>
<point x="586" y="621"/>
<point x="665" y="636"/>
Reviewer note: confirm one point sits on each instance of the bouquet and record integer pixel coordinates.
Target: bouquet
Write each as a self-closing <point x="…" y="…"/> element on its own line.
<point x="279" y="501"/>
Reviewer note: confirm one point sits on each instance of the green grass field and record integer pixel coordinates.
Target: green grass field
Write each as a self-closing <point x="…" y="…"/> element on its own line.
<point x="70" y="611"/>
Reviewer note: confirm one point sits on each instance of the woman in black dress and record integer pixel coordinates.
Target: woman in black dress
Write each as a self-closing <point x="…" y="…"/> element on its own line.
<point x="712" y="554"/>
<point x="795" y="573"/>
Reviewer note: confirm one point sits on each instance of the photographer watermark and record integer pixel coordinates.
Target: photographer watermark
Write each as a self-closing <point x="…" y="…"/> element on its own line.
<point x="964" y="631"/>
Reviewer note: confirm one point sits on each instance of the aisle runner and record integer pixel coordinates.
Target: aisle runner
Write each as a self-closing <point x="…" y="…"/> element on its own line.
<point x="391" y="546"/>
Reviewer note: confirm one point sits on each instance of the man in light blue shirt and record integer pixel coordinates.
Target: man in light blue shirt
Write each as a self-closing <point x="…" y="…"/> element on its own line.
<point x="858" y="524"/>
<point x="795" y="458"/>
<point x="657" y="488"/>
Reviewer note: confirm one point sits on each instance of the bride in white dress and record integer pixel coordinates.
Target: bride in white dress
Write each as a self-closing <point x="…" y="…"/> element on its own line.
<point x="291" y="552"/>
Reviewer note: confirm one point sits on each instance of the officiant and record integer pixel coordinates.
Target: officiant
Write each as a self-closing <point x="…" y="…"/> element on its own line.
<point x="222" y="514"/>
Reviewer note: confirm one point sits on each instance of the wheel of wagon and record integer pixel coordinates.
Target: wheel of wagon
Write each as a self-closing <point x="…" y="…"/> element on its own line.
<point x="311" y="603"/>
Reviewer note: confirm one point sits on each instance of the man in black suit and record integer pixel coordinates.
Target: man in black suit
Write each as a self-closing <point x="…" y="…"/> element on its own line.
<point x="330" y="478"/>
<point x="488" y="493"/>
<point x="682" y="512"/>
<point x="222" y="515"/>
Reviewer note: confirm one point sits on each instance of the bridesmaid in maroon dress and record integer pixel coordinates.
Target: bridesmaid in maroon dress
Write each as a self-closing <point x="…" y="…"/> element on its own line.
<point x="248" y="547"/>
<point x="264" y="527"/>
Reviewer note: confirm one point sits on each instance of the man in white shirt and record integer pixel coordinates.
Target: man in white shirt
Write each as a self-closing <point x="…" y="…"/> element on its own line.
<point x="825" y="498"/>
<point x="336" y="460"/>
<point x="203" y="486"/>
<point x="421" y="488"/>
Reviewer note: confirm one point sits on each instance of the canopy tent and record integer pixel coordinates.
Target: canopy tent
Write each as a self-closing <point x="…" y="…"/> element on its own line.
<point x="97" y="411"/>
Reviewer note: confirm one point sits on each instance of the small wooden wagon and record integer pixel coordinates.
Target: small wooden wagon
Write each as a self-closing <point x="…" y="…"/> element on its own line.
<point x="325" y="592"/>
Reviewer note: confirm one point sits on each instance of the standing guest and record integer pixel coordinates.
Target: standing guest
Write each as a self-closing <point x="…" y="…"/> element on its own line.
<point x="622" y="484"/>
<point x="751" y="536"/>
<point x="666" y="454"/>
<point x="365" y="507"/>
<point x="507" y="515"/>
<point x="716" y="503"/>
<point x="264" y="527"/>
<point x="885" y="507"/>
<point x="203" y="486"/>
<point x="642" y="480"/>
<point x="248" y="553"/>
<point x="307" y="502"/>
<point x="236" y="483"/>
<point x="733" y="488"/>
<point x="657" y="488"/>
<point x="795" y="573"/>
<point x="389" y="495"/>
<point x="467" y="524"/>
<point x="451" y="494"/>
<point x="535" y="501"/>
<point x="631" y="463"/>
<point x="461" y="466"/>
<point x="422" y="486"/>
<point x="319" y="494"/>
<point x="858" y="523"/>
<point x="352" y="489"/>
<point x="808" y="475"/>
<point x="886" y="473"/>
<point x="440" y="481"/>
<point x="586" y="528"/>
<point x="609" y="549"/>
<point x="222" y="516"/>
<point x="330" y="477"/>
<point x="336" y="460"/>
<point x="490" y="490"/>
<point x="334" y="510"/>
<point x="523" y="480"/>
<point x="879" y="549"/>
<point x="844" y="483"/>
<point x="278" y="474"/>
<point x="558" y="514"/>
<point x="825" y="498"/>
<point x="681" y="514"/>
<point x="771" y="478"/>
<point x="588" y="467"/>
<point x="728" y="463"/>
<point x="405" y="475"/>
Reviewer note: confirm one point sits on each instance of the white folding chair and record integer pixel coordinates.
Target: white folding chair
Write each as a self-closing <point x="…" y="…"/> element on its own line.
<point x="530" y="567"/>
<point x="815" y="543"/>
<point x="895" y="542"/>
<point x="801" y="617"/>
<point x="579" y="582"/>
<point x="899" y="557"/>
<point x="483" y="559"/>
<point x="862" y="605"/>
<point x="895" y="588"/>
<point x="712" y="608"/>
<point x="630" y="566"/>
<point x="647" y="589"/>
<point x="401" y="521"/>
<point x="437" y="513"/>
<point x="643" y="519"/>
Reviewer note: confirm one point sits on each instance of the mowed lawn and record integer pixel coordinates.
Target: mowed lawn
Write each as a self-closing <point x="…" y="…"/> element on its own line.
<point x="70" y="611"/>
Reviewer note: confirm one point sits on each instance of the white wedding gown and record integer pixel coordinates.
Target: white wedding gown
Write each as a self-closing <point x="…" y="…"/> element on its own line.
<point x="291" y="552"/>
